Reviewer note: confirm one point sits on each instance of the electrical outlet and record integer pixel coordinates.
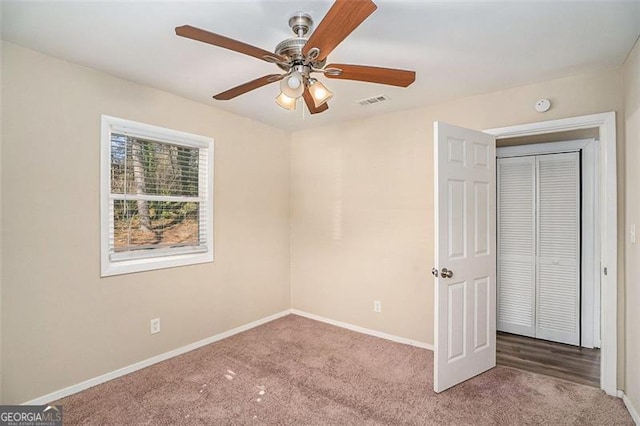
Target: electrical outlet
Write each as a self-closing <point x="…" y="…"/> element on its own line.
<point x="155" y="325"/>
<point x="377" y="306"/>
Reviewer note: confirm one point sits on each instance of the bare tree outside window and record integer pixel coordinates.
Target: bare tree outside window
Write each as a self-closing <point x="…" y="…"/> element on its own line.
<point x="138" y="183"/>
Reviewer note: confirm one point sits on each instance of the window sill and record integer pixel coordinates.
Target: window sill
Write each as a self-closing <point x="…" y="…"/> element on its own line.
<point x="127" y="264"/>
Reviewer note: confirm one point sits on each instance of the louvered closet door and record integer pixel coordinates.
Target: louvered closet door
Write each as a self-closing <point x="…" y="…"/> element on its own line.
<point x="558" y="247"/>
<point x="516" y="245"/>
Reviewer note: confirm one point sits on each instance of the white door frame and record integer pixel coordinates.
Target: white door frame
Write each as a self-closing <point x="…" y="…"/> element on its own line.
<point x="606" y="124"/>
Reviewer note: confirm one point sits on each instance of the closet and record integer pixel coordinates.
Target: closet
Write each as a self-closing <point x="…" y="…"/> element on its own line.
<point x="539" y="233"/>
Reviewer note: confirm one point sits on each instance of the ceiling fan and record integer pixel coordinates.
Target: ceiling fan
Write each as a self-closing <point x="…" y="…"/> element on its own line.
<point x="302" y="56"/>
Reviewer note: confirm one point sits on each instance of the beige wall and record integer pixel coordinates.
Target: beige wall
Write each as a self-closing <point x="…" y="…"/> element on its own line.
<point x="632" y="135"/>
<point x="362" y="201"/>
<point x="62" y="323"/>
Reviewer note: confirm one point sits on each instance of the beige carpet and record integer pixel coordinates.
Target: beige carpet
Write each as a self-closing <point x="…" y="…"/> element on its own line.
<point x="298" y="371"/>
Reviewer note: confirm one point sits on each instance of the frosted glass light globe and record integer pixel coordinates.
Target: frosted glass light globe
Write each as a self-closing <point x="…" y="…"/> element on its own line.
<point x="292" y="85"/>
<point x="293" y="82"/>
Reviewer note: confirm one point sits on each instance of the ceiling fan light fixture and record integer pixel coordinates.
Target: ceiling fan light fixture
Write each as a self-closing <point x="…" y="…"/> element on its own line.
<point x="320" y="93"/>
<point x="292" y="86"/>
<point x="286" y="102"/>
<point x="306" y="53"/>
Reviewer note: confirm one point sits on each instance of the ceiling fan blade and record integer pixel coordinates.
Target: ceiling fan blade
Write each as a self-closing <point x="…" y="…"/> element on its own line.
<point x="343" y="17"/>
<point x="194" y="33"/>
<point x="308" y="99"/>
<point x="247" y="87"/>
<point x="390" y="76"/>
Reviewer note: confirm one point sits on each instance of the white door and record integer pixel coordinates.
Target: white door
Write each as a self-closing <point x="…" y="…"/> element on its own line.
<point x="558" y="248"/>
<point x="516" y="280"/>
<point x="465" y="251"/>
<point x="538" y="276"/>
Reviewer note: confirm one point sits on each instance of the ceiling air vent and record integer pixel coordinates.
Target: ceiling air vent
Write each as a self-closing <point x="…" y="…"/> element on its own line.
<point x="373" y="100"/>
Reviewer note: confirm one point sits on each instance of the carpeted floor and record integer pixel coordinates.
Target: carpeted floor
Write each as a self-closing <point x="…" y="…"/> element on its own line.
<point x="296" y="371"/>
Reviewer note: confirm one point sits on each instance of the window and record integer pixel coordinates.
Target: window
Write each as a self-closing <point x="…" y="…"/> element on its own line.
<point x="156" y="197"/>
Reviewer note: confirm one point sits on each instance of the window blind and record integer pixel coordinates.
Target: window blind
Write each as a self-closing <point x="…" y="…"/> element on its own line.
<point x="158" y="204"/>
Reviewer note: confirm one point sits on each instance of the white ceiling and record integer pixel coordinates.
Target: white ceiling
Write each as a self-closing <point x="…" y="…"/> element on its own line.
<point x="456" y="48"/>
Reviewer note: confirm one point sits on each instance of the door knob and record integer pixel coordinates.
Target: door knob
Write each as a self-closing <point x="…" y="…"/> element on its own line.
<point x="434" y="271"/>
<point x="446" y="273"/>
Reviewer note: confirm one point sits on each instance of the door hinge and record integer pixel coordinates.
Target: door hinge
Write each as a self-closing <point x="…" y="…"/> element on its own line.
<point x="605" y="270"/>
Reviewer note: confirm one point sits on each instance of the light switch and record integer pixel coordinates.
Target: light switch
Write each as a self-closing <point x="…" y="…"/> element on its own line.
<point x="632" y="231"/>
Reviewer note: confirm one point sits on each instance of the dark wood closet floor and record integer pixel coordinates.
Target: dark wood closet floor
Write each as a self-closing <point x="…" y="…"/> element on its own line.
<point x="580" y="365"/>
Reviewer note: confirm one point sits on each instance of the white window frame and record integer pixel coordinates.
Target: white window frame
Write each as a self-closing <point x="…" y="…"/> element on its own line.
<point x="132" y="261"/>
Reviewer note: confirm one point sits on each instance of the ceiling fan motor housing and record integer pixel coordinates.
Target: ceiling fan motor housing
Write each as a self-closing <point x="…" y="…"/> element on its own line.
<point x="291" y="48"/>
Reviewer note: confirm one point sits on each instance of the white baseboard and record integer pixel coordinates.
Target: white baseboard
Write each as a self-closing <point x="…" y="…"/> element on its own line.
<point x="363" y="330"/>
<point x="53" y="396"/>
<point x="632" y="410"/>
